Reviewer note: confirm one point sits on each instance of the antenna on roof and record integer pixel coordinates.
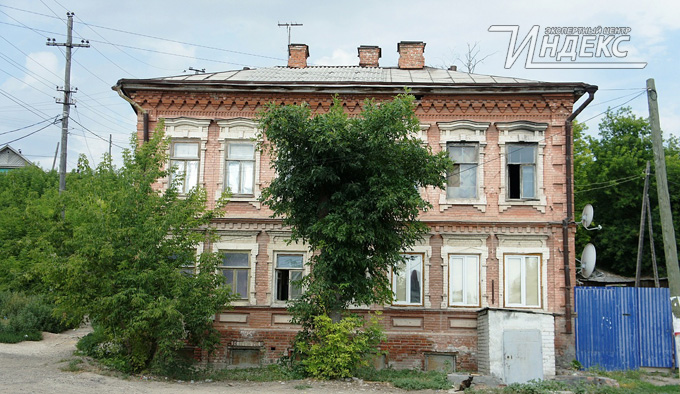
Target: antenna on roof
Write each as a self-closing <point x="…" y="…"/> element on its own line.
<point x="288" y="26"/>
<point x="196" y="70"/>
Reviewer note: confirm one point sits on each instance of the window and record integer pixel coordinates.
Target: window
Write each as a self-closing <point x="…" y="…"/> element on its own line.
<point x="184" y="160"/>
<point x="240" y="167"/>
<point x="522" y="280"/>
<point x="288" y="270"/>
<point x="186" y="261"/>
<point x="407" y="281"/>
<point x="236" y="270"/>
<point x="521" y="171"/>
<point x="464" y="280"/>
<point x="462" y="181"/>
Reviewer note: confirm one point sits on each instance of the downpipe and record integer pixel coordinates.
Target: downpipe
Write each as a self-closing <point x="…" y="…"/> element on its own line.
<point x="590" y="89"/>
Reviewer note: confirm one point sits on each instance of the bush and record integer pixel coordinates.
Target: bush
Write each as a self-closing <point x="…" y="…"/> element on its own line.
<point x="24" y="317"/>
<point x="335" y="350"/>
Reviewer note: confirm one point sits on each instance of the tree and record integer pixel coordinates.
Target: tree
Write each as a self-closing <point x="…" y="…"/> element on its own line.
<point x="349" y="188"/>
<point x="609" y="174"/>
<point x="131" y="249"/>
<point x="29" y="227"/>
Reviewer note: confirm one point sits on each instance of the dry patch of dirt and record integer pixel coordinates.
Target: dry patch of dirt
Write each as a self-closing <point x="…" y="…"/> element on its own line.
<point x="48" y="366"/>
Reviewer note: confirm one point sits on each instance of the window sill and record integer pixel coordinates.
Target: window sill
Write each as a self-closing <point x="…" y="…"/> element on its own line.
<point x="252" y="200"/>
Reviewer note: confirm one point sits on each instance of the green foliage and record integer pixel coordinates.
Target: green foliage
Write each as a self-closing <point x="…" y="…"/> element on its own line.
<point x="609" y="174"/>
<point x="336" y="350"/>
<point x="24" y="317"/>
<point x="127" y="245"/>
<point x="407" y="379"/>
<point x="29" y="227"/>
<point x="349" y="188"/>
<point x="269" y="373"/>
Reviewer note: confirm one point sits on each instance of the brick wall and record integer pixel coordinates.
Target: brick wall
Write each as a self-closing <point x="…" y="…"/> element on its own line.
<point x="437" y="328"/>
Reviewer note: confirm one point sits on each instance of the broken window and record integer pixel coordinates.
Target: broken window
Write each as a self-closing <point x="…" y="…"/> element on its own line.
<point x="462" y="180"/>
<point x="521" y="171"/>
<point x="289" y="268"/>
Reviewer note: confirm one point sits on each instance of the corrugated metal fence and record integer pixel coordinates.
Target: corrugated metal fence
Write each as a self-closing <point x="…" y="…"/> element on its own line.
<point x="620" y="328"/>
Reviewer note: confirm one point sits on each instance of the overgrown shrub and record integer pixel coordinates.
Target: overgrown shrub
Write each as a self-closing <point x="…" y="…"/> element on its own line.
<point x="335" y="350"/>
<point x="24" y="317"/>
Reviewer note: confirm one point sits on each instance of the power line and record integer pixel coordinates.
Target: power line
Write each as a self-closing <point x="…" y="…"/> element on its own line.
<point x="96" y="135"/>
<point x="26" y="106"/>
<point x="31" y="133"/>
<point x="26" y="127"/>
<point x="153" y="37"/>
<point x="608" y="186"/>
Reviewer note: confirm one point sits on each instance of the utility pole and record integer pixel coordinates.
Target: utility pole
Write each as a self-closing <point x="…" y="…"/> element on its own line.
<point x="56" y="151"/>
<point x="66" y="101"/>
<point x="110" y="143"/>
<point x="669" y="245"/>
<point x="641" y="238"/>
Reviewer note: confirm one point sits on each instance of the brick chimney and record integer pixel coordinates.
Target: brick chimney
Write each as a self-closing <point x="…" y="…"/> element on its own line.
<point x="369" y="55"/>
<point x="297" y="55"/>
<point x="411" y="54"/>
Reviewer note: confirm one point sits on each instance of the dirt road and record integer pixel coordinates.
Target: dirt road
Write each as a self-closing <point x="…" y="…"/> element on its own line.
<point x="37" y="367"/>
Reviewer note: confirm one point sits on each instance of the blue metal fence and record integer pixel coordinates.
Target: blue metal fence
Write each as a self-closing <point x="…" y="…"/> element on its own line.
<point x="619" y="328"/>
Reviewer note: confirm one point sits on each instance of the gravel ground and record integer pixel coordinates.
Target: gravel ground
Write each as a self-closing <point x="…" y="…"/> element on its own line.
<point x="39" y="367"/>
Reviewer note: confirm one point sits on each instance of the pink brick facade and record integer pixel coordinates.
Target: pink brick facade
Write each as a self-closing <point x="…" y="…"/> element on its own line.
<point x="489" y="226"/>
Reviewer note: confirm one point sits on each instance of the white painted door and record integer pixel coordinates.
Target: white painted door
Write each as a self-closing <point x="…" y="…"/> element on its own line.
<point x="522" y="356"/>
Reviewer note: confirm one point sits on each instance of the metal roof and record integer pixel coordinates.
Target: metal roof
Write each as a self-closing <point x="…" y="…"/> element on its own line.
<point x="346" y="74"/>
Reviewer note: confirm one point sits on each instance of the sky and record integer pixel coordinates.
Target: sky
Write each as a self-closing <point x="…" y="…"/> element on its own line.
<point x="155" y="38"/>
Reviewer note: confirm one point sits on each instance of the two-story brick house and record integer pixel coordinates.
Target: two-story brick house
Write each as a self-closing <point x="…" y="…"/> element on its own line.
<point x="494" y="260"/>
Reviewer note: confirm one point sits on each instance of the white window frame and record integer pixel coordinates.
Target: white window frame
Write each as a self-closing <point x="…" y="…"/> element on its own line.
<point x="407" y="281"/>
<point x="524" y="283"/>
<point x="290" y="285"/>
<point x="241" y="241"/>
<point x="465" y="132"/>
<point x="239" y="130"/>
<point x="183" y="186"/>
<point x="280" y="243"/>
<point x="522" y="132"/>
<point x="521" y="179"/>
<point x="187" y="129"/>
<point x="524" y="244"/>
<point x="466" y="258"/>
<point x="472" y="169"/>
<point x="222" y="267"/>
<point x="238" y="192"/>
<point x="465" y="244"/>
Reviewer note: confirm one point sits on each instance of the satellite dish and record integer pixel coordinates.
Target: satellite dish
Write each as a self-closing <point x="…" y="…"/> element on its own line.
<point x="588" y="258"/>
<point x="587" y="215"/>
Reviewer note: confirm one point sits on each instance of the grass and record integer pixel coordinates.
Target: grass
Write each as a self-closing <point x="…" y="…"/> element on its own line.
<point x="630" y="382"/>
<point x="74" y="365"/>
<point x="407" y="379"/>
<point x="269" y="373"/>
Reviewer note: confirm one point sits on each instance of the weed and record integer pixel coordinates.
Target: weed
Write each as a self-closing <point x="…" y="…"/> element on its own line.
<point x="303" y="386"/>
<point x="407" y="379"/>
<point x="73" y="365"/>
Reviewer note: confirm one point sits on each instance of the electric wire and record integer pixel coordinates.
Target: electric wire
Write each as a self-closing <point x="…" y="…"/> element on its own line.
<point x="95" y="134"/>
<point x="607" y="182"/>
<point x="150" y="36"/>
<point x="608" y="186"/>
<point x="29" y="126"/>
<point x="31" y="133"/>
<point x="25" y="105"/>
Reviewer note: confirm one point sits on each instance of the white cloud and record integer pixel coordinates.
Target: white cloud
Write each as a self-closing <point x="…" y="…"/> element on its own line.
<point x="339" y="57"/>
<point x="42" y="64"/>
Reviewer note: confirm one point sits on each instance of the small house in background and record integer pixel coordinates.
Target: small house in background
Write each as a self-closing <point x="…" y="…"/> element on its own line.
<point x="489" y="289"/>
<point x="11" y="159"/>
